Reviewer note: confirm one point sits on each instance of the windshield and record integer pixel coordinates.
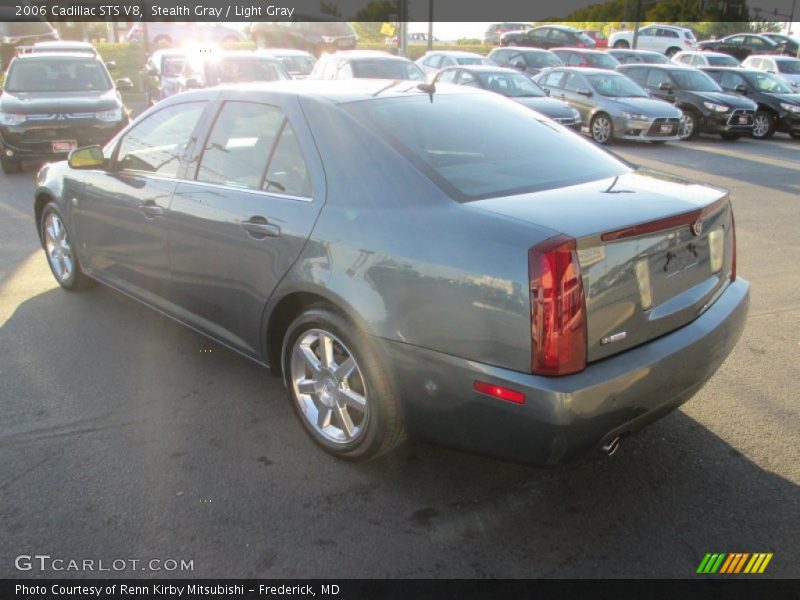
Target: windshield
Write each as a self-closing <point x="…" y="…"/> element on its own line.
<point x="387" y="69"/>
<point x="616" y="86"/>
<point x="791" y="67"/>
<point x="471" y="157"/>
<point x="604" y="61"/>
<point x="297" y="64"/>
<point x="695" y="81"/>
<point x="513" y="85"/>
<point x="57" y="75"/>
<point x="244" y="70"/>
<point x="171" y="65"/>
<point x="766" y="82"/>
<point x="654" y="58"/>
<point x="540" y="60"/>
<point x="722" y="61"/>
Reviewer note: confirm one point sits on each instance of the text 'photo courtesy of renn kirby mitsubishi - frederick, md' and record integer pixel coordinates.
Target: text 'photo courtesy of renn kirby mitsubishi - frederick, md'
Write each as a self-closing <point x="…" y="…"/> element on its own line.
<point x="298" y="297"/>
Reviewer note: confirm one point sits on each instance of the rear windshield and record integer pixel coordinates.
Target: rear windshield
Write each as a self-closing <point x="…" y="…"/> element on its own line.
<point x="603" y="60"/>
<point x="387" y="69"/>
<point x="540" y="60"/>
<point x="722" y="61"/>
<point x="472" y="60"/>
<point x="695" y="81"/>
<point x="57" y="75"/>
<point x="297" y="64"/>
<point x="245" y="70"/>
<point x="471" y="157"/>
<point x="654" y="58"/>
<point x="792" y="67"/>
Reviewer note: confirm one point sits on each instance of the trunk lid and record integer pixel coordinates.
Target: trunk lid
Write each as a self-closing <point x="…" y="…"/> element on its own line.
<point x="646" y="270"/>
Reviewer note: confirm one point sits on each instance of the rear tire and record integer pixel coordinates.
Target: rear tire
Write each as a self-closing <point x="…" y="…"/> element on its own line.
<point x="59" y="249"/>
<point x="763" y="126"/>
<point x="672" y="52"/>
<point x="344" y="396"/>
<point x="622" y="45"/>
<point x="11" y="167"/>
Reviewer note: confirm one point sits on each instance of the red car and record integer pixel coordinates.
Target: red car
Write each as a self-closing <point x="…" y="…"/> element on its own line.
<point x="600" y="39"/>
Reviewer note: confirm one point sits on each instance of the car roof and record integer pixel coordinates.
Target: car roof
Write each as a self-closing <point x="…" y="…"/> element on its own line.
<point x="362" y="54"/>
<point x="740" y="70"/>
<point x="41" y="56"/>
<point x="336" y="91"/>
<point x="523" y="49"/>
<point x="284" y="52"/>
<point x="663" y="67"/>
<point x="561" y="27"/>
<point x="678" y="27"/>
<point x="65" y="44"/>
<point x="587" y="70"/>
<point x="579" y="50"/>
<point x="482" y="69"/>
<point x="773" y="57"/>
<point x="455" y="53"/>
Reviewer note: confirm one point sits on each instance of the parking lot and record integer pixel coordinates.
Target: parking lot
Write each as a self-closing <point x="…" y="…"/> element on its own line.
<point x="127" y="436"/>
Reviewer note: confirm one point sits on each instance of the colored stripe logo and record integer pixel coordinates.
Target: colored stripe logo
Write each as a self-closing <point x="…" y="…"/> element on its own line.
<point x="734" y="563"/>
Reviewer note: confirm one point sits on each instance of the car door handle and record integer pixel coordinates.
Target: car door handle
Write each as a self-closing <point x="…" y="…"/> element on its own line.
<point x="150" y="209"/>
<point x="258" y="227"/>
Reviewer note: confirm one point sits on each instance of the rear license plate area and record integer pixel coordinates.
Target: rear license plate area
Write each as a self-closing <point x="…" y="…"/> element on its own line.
<point x="64" y="145"/>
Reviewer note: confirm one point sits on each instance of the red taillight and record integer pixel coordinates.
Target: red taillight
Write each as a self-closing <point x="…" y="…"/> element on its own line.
<point x="497" y="391"/>
<point x="733" y="248"/>
<point x="687" y="42"/>
<point x="558" y="308"/>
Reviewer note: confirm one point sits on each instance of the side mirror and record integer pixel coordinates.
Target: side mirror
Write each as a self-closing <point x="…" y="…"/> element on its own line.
<point x="585" y="92"/>
<point x="740" y="89"/>
<point x="193" y="83"/>
<point x="111" y="65"/>
<point x="124" y="84"/>
<point x="664" y="86"/>
<point x="90" y="157"/>
<point x="520" y="65"/>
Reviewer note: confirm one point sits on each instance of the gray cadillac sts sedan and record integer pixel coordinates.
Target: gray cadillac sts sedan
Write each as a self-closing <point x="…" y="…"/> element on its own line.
<point x="445" y="264"/>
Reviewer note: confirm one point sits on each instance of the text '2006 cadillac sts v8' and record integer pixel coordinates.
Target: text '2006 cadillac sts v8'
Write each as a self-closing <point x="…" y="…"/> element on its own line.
<point x="436" y="262"/>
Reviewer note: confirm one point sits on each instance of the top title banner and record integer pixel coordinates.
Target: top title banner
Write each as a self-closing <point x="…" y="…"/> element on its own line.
<point x="396" y="10"/>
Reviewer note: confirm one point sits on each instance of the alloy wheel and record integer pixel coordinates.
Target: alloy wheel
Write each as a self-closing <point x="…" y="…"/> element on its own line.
<point x="601" y="130"/>
<point x="761" y="126"/>
<point x="687" y="127"/>
<point x="57" y="245"/>
<point x="329" y="387"/>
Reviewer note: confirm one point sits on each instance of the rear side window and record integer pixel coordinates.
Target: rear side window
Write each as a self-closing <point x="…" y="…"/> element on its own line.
<point x="287" y="173"/>
<point x="240" y="143"/>
<point x="156" y="144"/>
<point x="656" y="77"/>
<point x="515" y="151"/>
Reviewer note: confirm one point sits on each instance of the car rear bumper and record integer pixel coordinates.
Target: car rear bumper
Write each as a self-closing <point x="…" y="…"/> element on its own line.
<point x="563" y="417"/>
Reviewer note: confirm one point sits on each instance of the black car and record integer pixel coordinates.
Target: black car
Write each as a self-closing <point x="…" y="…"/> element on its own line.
<point x="207" y="69"/>
<point x="14" y="34"/>
<point x="313" y="35"/>
<point x="514" y="85"/>
<point x="626" y="56"/>
<point x="778" y="105"/>
<point x="527" y="60"/>
<point x="706" y="107"/>
<point x="742" y="45"/>
<point x="54" y="103"/>
<point x="580" y="57"/>
<point x="548" y="36"/>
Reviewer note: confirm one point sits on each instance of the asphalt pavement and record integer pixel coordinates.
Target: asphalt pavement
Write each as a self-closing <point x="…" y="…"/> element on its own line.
<point x="126" y="436"/>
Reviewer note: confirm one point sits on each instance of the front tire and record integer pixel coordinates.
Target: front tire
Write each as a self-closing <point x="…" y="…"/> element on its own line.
<point x="59" y="248"/>
<point x="601" y="129"/>
<point x="340" y="390"/>
<point x="690" y="126"/>
<point x="763" y="126"/>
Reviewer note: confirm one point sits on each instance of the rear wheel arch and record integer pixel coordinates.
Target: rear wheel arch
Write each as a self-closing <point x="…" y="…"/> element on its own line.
<point x="278" y="318"/>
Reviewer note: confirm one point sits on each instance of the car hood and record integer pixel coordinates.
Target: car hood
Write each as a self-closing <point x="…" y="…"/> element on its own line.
<point x="648" y="106"/>
<point x="733" y="100"/>
<point x="58" y="102"/>
<point x="792" y="98"/>
<point x="550" y="107"/>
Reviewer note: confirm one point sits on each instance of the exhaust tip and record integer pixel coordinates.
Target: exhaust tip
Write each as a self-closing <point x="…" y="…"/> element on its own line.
<point x="611" y="447"/>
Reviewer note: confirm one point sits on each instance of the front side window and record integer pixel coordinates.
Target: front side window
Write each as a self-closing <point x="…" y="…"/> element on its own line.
<point x="729" y="81"/>
<point x="791" y="67"/>
<point x="656" y="77"/>
<point x="447" y="76"/>
<point x="603" y="60"/>
<point x="156" y="144"/>
<point x="511" y="84"/>
<point x="616" y="86"/>
<point x="697" y="81"/>
<point x="238" y="148"/>
<point x="554" y="79"/>
<point x="516" y="151"/>
<point x="574" y="82"/>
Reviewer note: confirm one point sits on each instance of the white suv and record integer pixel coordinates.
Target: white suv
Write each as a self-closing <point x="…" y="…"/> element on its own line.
<point x="667" y="39"/>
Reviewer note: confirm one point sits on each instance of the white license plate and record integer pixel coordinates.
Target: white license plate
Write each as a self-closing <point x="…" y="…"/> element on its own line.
<point x="666" y="128"/>
<point x="744" y="120"/>
<point x="64" y="145"/>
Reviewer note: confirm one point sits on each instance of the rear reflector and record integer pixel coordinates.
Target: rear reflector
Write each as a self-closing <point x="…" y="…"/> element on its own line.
<point x="497" y="391"/>
<point x="558" y="308"/>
